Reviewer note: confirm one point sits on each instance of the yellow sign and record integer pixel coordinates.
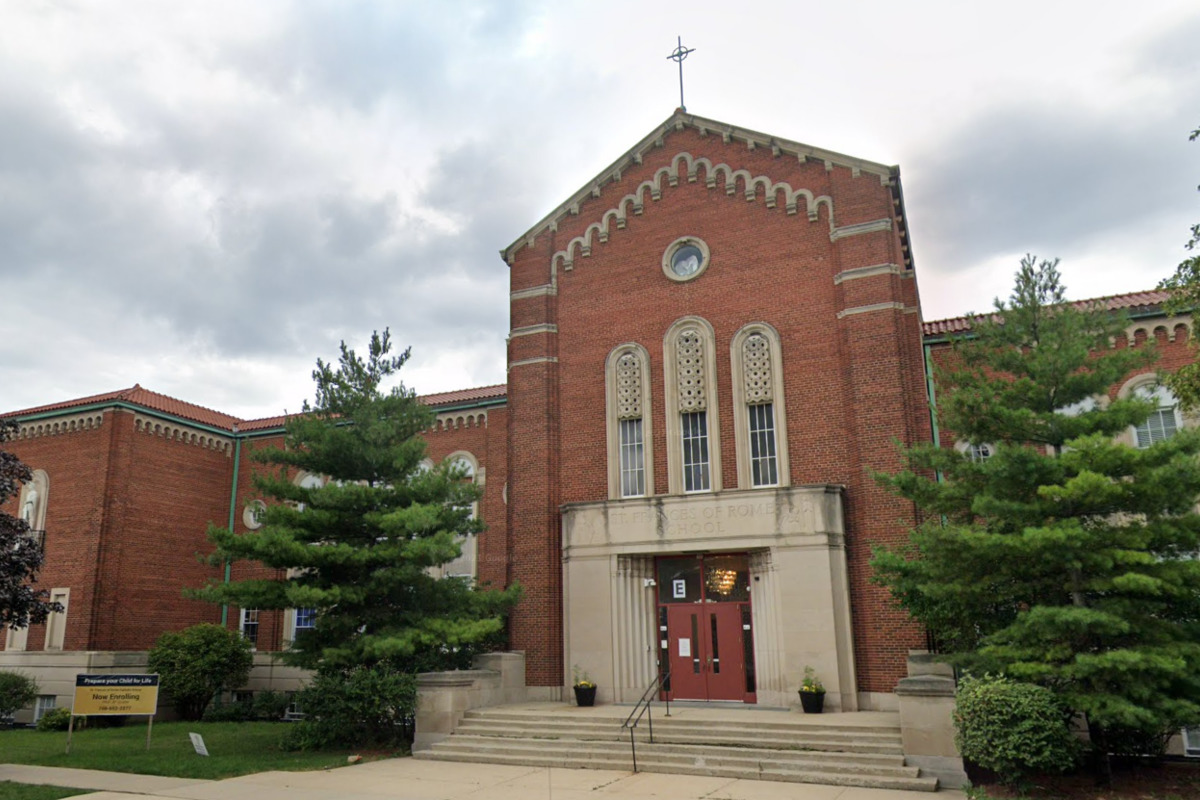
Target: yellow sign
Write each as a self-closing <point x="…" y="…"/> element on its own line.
<point x="104" y="695"/>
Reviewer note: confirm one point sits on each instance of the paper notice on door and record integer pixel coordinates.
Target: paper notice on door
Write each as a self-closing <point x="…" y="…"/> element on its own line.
<point x="685" y="648"/>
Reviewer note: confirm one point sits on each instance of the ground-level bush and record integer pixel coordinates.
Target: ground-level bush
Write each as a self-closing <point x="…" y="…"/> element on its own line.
<point x="1014" y="729"/>
<point x="56" y="719"/>
<point x="16" y="692"/>
<point x="369" y="706"/>
<point x="196" y="663"/>
<point x="263" y="707"/>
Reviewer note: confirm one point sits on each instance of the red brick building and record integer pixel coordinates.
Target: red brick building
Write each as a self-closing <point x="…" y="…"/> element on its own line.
<point x="713" y="344"/>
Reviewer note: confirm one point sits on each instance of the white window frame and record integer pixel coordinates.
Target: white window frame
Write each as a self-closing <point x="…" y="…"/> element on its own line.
<point x="43" y="704"/>
<point x="741" y="412"/>
<point x="674" y="418"/>
<point x="632" y="446"/>
<point x="1148" y="386"/>
<point x="244" y="620"/>
<point x="615" y="460"/>
<point x="697" y="460"/>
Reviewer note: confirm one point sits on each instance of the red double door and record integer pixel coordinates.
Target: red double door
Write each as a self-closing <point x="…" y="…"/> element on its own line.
<point x="704" y="623"/>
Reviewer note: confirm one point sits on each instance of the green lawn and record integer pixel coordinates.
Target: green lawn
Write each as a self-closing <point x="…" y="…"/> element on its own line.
<point x="26" y="791"/>
<point x="235" y="748"/>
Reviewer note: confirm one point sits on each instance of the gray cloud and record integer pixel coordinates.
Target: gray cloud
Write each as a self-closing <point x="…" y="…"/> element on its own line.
<point x="1051" y="177"/>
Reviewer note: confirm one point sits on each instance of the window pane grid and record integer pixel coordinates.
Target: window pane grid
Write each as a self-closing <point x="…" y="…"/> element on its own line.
<point x="1158" y="427"/>
<point x="764" y="466"/>
<point x="250" y="625"/>
<point x="695" y="451"/>
<point x="633" y="470"/>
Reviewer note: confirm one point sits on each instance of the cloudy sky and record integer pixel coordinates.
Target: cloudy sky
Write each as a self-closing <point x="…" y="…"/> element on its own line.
<point x="204" y="196"/>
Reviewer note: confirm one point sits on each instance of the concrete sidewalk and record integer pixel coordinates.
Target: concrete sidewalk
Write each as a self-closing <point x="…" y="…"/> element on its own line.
<point x="409" y="779"/>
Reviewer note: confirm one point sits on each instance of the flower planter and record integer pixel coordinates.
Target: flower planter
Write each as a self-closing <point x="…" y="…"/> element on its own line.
<point x="812" y="702"/>
<point x="585" y="695"/>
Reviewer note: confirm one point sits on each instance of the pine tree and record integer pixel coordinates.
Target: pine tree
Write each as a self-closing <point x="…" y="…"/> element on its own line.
<point x="360" y="549"/>
<point x="1184" y="287"/>
<point x="21" y="605"/>
<point x="1065" y="558"/>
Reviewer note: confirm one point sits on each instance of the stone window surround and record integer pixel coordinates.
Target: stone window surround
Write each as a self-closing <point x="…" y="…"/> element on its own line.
<point x="56" y="623"/>
<point x="741" y="417"/>
<point x="671" y="403"/>
<point x="676" y="246"/>
<point x="1148" y="379"/>
<point x="614" y="426"/>
<point x="41" y="484"/>
<point x="470" y="546"/>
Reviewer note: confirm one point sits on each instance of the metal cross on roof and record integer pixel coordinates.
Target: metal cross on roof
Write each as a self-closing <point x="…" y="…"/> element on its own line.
<point x="679" y="54"/>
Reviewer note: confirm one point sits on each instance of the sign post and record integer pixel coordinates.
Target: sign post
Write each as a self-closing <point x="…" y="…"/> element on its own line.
<point x="114" y="695"/>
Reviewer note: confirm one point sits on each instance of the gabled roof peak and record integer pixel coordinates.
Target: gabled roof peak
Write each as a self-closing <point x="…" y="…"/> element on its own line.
<point x="679" y="121"/>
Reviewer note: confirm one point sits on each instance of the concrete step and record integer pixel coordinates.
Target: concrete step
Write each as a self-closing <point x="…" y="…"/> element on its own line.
<point x="716" y="756"/>
<point x="760" y="746"/>
<point x="649" y="765"/>
<point x="710" y="733"/>
<point x="786" y="723"/>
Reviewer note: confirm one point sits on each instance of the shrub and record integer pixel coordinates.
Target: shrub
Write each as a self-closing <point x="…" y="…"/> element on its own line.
<point x="16" y="692"/>
<point x="1014" y="729"/>
<point x="241" y="711"/>
<point x="270" y="706"/>
<point x="196" y="663"/>
<point x="354" y="707"/>
<point x="1136" y="744"/>
<point x="57" y="719"/>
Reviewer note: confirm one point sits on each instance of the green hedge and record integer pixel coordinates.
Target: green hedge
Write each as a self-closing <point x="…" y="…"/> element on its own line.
<point x="1014" y="729"/>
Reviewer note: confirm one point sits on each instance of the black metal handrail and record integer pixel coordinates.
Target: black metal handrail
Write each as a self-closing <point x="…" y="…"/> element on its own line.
<point x="643" y="708"/>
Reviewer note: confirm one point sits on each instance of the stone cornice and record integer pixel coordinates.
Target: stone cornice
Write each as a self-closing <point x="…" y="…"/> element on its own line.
<point x="67" y="423"/>
<point x="186" y="434"/>
<point x="868" y="272"/>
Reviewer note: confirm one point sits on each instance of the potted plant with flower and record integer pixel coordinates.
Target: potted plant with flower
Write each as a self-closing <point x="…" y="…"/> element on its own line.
<point x="812" y="692"/>
<point x="585" y="687"/>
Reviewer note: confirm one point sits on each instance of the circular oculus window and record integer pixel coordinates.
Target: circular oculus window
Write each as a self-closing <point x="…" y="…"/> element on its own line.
<point x="685" y="258"/>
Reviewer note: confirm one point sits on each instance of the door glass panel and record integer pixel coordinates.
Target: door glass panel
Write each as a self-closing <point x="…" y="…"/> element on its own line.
<point x="679" y="580"/>
<point x="664" y="659"/>
<point x="695" y="646"/>
<point x="727" y="579"/>
<point x="716" y="651"/>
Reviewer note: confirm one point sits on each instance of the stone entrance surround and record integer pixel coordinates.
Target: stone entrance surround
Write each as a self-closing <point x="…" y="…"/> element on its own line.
<point x="798" y="585"/>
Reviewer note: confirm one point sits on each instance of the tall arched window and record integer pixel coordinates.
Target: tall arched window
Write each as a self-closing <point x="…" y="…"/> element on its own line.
<point x="1163" y="422"/>
<point x="693" y="433"/>
<point x="627" y="389"/>
<point x="465" y="565"/>
<point x="760" y="419"/>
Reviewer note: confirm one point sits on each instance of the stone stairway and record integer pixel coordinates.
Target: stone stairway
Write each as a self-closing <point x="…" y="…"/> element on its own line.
<point x="836" y="749"/>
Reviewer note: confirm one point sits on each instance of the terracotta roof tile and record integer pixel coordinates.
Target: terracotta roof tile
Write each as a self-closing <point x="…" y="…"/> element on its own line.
<point x="145" y="398"/>
<point x="1123" y="302"/>
<point x="465" y="395"/>
<point x="264" y="423"/>
<point x="190" y="411"/>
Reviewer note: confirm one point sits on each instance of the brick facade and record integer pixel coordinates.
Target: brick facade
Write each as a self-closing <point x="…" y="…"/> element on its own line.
<point x="811" y="243"/>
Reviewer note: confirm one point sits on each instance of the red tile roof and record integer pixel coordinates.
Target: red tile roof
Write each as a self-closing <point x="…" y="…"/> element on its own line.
<point x="1134" y="301"/>
<point x="147" y="399"/>
<point x="264" y="423"/>
<point x="465" y="395"/>
<point x="190" y="411"/>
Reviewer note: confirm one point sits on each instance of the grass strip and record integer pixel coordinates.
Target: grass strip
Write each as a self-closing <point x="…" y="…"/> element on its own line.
<point x="235" y="748"/>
